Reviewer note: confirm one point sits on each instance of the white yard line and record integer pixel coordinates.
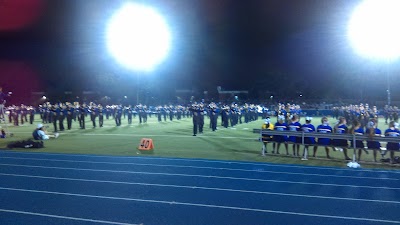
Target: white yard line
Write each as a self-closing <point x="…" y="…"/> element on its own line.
<point x="157" y="135"/>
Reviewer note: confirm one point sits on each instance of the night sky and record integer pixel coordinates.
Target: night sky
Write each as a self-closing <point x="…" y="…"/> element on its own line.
<point x="283" y="47"/>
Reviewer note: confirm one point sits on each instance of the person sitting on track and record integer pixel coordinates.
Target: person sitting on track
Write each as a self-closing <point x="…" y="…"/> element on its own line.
<point x="266" y="138"/>
<point x="40" y="133"/>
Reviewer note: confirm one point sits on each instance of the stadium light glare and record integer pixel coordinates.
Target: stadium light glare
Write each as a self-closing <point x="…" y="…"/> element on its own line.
<point x="373" y="29"/>
<point x="138" y="37"/>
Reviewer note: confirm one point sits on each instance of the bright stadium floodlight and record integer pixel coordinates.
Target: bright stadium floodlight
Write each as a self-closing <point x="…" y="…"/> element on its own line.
<point x="138" y="37"/>
<point x="374" y="31"/>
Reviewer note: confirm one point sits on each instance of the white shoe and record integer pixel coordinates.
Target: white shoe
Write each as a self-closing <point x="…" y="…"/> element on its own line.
<point x="56" y="135"/>
<point x="304" y="159"/>
<point x="338" y="149"/>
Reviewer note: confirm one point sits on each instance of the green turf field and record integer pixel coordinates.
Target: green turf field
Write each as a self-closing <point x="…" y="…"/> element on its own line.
<point x="174" y="139"/>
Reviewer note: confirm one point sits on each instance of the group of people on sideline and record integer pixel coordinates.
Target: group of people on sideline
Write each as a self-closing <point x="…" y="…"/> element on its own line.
<point x="341" y="127"/>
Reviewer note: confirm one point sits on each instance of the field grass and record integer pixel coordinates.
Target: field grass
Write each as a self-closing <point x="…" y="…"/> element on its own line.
<point x="173" y="139"/>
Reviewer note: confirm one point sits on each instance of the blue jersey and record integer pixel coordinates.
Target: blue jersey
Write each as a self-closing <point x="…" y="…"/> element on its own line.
<point x="341" y="129"/>
<point x="296" y="126"/>
<point x="307" y="128"/>
<point x="392" y="133"/>
<point x="359" y="131"/>
<point x="374" y="144"/>
<point x="280" y="127"/>
<point x="359" y="144"/>
<point x="324" y="129"/>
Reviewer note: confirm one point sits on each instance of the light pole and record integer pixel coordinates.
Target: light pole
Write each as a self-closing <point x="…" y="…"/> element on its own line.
<point x="389" y="101"/>
<point x="137" y="89"/>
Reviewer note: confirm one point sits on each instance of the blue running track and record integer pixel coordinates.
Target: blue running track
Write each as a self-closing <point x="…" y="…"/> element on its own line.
<point x="41" y="188"/>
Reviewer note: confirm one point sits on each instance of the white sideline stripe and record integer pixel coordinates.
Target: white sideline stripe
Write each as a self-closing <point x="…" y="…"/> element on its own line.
<point x="166" y="135"/>
<point x="203" y="176"/>
<point x="203" y="167"/>
<point x="203" y="160"/>
<point x="201" y="187"/>
<point x="63" y="217"/>
<point x="153" y="135"/>
<point x="202" y="205"/>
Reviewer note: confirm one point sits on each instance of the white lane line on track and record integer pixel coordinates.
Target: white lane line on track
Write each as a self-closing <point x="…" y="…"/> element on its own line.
<point x="204" y="167"/>
<point x="201" y="188"/>
<point x="202" y="176"/>
<point x="202" y="205"/>
<point x="63" y="217"/>
<point x="205" y="161"/>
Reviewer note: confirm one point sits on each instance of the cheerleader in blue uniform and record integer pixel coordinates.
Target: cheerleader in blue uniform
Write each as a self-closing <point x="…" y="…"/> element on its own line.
<point x="341" y="128"/>
<point x="357" y="129"/>
<point x="307" y="128"/>
<point x="373" y="131"/>
<point x="280" y="126"/>
<point x="393" y="131"/>
<point x="324" y="128"/>
<point x="295" y="126"/>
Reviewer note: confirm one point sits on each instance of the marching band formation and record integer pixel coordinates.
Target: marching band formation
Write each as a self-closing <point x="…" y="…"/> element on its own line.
<point x="62" y="115"/>
<point x="230" y="114"/>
